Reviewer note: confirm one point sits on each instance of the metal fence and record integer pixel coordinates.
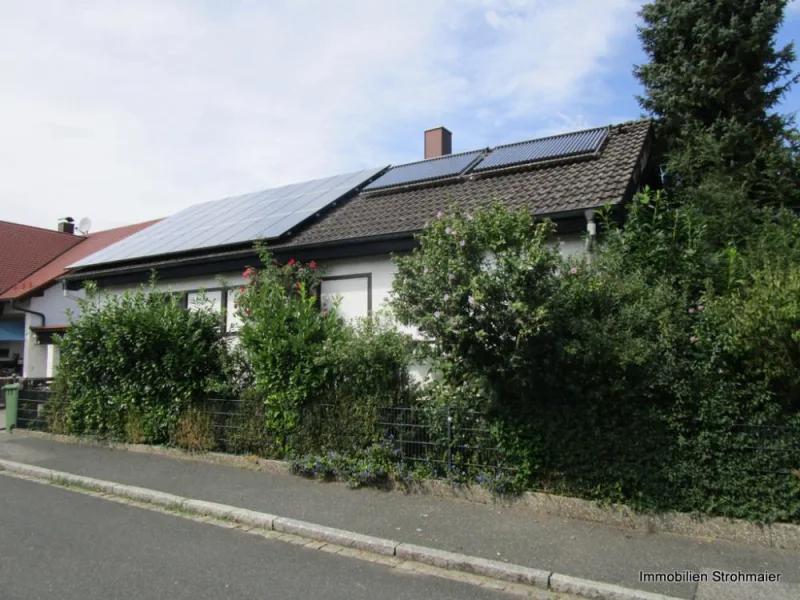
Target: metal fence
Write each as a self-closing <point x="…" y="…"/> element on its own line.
<point x="443" y="437"/>
<point x="446" y="438"/>
<point x="33" y="395"/>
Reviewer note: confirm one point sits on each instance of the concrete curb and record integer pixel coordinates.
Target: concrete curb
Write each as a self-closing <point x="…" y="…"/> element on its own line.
<point x="784" y="536"/>
<point x="406" y="552"/>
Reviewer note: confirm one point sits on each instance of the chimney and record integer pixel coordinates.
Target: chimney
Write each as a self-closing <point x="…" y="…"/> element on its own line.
<point x="438" y="142"/>
<point x="66" y="225"/>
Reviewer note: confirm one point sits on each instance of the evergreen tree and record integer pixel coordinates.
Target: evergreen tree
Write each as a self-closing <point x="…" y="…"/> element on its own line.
<point x="713" y="82"/>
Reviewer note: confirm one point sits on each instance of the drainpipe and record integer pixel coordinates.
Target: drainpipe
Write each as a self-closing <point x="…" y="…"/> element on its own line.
<point x="30" y="312"/>
<point x="591" y="230"/>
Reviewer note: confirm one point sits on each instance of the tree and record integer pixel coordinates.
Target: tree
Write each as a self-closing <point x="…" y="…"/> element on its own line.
<point x="714" y="79"/>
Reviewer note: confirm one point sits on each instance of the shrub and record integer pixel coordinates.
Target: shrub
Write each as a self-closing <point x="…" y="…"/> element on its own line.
<point x="132" y="364"/>
<point x="320" y="379"/>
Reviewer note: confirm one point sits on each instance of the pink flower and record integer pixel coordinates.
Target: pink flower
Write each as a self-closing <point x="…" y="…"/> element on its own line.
<point x="451" y="276"/>
<point x="242" y="289"/>
<point x="439" y="215"/>
<point x="446" y="297"/>
<point x="693" y="339"/>
<point x="291" y="262"/>
<point x="691" y="311"/>
<point x="325" y="313"/>
<point x="312" y="265"/>
<point x="574" y="271"/>
<point x="247" y="273"/>
<point x="701" y="308"/>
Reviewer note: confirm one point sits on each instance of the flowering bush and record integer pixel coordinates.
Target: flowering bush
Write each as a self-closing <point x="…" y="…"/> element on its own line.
<point x="286" y="337"/>
<point x="307" y="361"/>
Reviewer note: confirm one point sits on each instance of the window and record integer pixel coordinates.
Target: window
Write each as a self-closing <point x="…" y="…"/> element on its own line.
<point x="354" y="293"/>
<point x="213" y="300"/>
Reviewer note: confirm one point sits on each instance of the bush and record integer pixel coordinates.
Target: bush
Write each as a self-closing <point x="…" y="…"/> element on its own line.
<point x="131" y="365"/>
<point x="320" y="379"/>
<point x="624" y="379"/>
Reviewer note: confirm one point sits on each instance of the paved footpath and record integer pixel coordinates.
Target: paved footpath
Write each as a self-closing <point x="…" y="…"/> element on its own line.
<point x="580" y="549"/>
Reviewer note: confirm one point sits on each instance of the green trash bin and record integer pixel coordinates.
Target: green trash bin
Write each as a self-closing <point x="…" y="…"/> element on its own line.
<point x="12" y="404"/>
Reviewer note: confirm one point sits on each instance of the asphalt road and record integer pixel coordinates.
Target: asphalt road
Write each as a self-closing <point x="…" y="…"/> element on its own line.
<point x="56" y="543"/>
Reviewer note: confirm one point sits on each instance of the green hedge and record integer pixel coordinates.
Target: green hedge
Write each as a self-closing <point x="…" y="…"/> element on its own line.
<point x="133" y="363"/>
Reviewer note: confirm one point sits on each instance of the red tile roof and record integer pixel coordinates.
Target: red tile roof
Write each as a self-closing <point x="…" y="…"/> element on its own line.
<point x="24" y="249"/>
<point x="47" y="271"/>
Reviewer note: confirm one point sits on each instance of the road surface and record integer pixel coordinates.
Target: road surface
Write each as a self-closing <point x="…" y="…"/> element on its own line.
<point x="56" y="543"/>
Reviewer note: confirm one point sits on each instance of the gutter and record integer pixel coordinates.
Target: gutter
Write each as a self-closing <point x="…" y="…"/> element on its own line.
<point x="30" y="312"/>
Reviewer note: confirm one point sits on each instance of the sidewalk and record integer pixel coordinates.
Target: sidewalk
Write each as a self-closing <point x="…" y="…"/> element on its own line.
<point x="580" y="549"/>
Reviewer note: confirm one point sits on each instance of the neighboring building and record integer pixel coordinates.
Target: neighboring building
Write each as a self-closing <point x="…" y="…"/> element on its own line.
<point x="351" y="223"/>
<point x="23" y="250"/>
<point x="34" y="306"/>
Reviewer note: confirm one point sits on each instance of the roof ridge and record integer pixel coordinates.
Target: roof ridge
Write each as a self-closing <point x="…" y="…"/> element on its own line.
<point x="148" y="223"/>
<point x="37" y="228"/>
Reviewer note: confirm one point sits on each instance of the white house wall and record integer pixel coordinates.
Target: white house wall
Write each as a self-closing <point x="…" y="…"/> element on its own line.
<point x="55" y="307"/>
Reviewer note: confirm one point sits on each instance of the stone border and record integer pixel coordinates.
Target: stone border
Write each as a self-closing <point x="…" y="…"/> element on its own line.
<point x="785" y="536"/>
<point x="409" y="553"/>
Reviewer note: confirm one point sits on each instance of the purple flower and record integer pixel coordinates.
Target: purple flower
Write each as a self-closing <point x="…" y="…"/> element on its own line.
<point x="451" y="276"/>
<point x="693" y="339"/>
<point x="574" y="271"/>
<point x="439" y="215"/>
<point x="701" y="308"/>
<point x="691" y="311"/>
<point x="462" y="243"/>
<point x="437" y="314"/>
<point x="447" y="230"/>
<point x="471" y="300"/>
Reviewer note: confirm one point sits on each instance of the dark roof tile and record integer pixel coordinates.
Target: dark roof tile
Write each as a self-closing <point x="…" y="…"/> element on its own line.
<point x="561" y="186"/>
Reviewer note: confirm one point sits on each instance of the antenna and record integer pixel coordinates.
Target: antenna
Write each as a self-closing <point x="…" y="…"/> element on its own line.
<point x="84" y="225"/>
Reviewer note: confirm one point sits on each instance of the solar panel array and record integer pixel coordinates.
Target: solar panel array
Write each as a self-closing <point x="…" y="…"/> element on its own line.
<point x="261" y="215"/>
<point x="558" y="146"/>
<point x="426" y="170"/>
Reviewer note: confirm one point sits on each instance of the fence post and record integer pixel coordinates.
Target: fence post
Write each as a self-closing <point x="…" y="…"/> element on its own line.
<point x="449" y="440"/>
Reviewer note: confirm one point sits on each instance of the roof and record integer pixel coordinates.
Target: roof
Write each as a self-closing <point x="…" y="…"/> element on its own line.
<point x="83" y="247"/>
<point x="24" y="249"/>
<point x="550" y="188"/>
<point x="547" y="188"/>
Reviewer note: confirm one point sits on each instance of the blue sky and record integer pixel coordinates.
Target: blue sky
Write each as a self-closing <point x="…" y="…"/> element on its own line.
<point x="130" y="111"/>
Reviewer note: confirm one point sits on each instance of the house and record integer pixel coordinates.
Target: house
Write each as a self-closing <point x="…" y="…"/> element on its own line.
<point x="34" y="305"/>
<point x="351" y="223"/>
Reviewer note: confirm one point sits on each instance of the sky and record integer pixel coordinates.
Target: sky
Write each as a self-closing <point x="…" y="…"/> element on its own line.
<point x="128" y="111"/>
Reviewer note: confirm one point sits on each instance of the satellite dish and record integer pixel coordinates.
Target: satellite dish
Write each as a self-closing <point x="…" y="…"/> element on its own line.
<point x="84" y="225"/>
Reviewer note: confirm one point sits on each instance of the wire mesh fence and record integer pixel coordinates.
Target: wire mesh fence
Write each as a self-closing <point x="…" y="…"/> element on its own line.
<point x="33" y="395"/>
<point x="444" y="437"/>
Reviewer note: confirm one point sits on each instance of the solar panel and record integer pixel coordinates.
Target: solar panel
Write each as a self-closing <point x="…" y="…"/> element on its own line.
<point x="261" y="215"/>
<point x="426" y="170"/>
<point x="558" y="146"/>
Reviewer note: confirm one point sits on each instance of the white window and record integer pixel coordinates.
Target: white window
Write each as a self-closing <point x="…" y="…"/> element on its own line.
<point x="213" y="300"/>
<point x="353" y="293"/>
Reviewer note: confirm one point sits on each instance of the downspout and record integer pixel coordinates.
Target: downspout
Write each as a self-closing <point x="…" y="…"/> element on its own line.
<point x="30" y="312"/>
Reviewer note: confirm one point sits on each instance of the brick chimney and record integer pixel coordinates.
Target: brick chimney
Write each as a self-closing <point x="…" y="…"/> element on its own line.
<point x="66" y="225"/>
<point x="438" y="142"/>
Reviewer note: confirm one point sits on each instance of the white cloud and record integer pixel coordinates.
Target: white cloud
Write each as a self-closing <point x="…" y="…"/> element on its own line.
<point x="129" y="111"/>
